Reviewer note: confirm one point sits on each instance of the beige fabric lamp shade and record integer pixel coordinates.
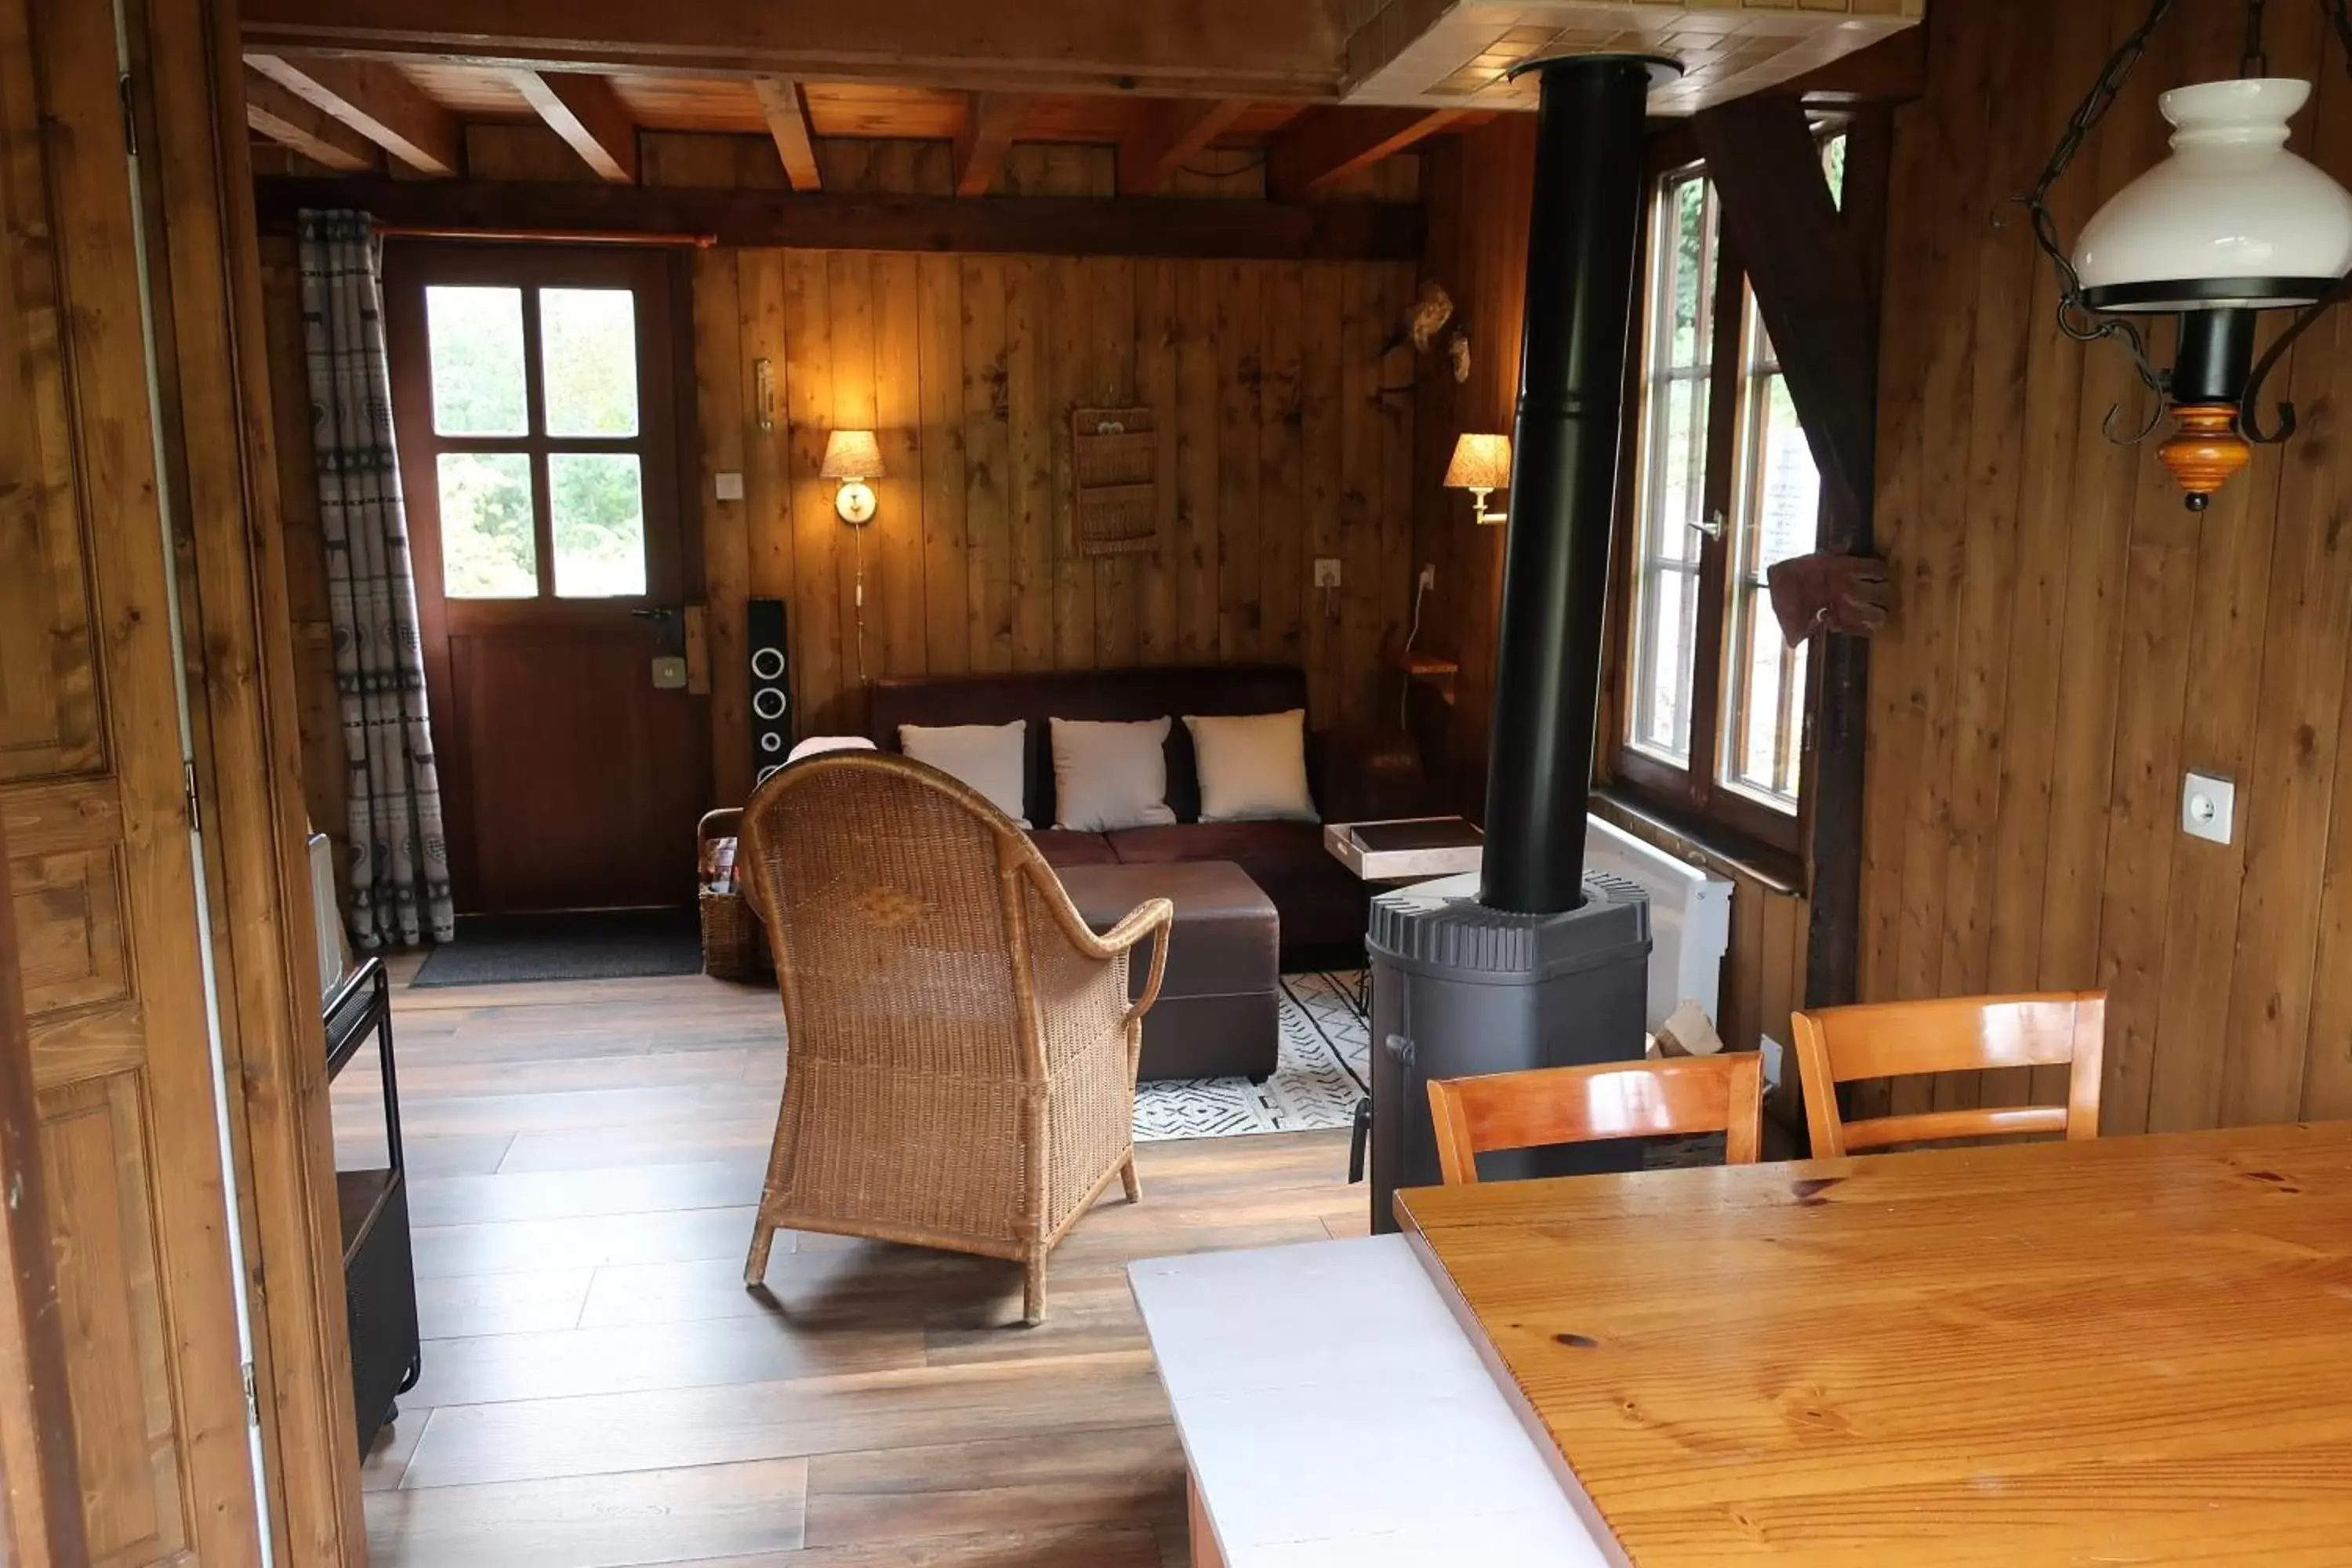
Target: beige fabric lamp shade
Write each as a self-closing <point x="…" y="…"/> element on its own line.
<point x="1480" y="463"/>
<point x="852" y="455"/>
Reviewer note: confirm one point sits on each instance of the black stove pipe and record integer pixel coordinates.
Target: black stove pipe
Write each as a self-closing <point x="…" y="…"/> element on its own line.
<point x="1583" y="238"/>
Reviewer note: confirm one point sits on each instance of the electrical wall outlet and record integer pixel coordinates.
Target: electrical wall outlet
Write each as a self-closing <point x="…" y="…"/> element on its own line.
<point x="1428" y="578"/>
<point x="1326" y="571"/>
<point x="2208" y="807"/>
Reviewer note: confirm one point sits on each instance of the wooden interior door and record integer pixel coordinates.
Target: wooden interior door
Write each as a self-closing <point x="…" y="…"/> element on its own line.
<point x="535" y="400"/>
<point x="92" y="796"/>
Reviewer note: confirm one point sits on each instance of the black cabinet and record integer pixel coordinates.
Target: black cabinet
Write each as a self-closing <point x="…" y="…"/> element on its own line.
<point x="379" y="1271"/>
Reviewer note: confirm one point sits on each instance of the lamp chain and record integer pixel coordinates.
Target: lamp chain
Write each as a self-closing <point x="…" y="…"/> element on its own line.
<point x="2076" y="320"/>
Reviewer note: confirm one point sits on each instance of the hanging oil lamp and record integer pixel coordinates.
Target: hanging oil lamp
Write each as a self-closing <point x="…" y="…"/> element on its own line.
<point x="2230" y="226"/>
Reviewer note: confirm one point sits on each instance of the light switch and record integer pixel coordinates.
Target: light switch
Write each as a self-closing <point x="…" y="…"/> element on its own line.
<point x="2208" y="807"/>
<point x="1326" y="571"/>
<point x="729" y="486"/>
<point x="670" y="673"/>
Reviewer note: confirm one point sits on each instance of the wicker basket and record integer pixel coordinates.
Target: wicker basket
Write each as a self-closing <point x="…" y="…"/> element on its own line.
<point x="734" y="941"/>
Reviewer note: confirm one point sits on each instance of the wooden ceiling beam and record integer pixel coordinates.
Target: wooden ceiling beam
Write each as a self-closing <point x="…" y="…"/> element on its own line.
<point x="589" y="115"/>
<point x="1173" y="47"/>
<point x="785" y="105"/>
<point x="1168" y="135"/>
<point x="290" y="122"/>
<point x="376" y="101"/>
<point x="1174" y="227"/>
<point x="1325" y="145"/>
<point x="987" y="136"/>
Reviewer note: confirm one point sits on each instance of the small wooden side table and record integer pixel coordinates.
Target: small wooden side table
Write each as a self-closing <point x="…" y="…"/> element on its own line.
<point x="379" y="1266"/>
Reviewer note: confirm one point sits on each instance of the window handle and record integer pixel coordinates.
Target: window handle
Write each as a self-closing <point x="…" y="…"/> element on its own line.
<point x="1711" y="525"/>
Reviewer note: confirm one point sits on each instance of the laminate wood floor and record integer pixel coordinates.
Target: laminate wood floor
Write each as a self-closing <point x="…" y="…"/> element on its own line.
<point x="599" y="1391"/>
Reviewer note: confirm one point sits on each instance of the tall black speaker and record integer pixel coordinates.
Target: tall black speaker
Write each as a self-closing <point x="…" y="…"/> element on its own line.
<point x="772" y="687"/>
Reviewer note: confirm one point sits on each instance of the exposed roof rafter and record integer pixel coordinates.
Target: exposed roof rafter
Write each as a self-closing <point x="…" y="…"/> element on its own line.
<point x="785" y="105"/>
<point x="290" y="122"/>
<point x="980" y="151"/>
<point x="378" y="102"/>
<point x="1167" y="135"/>
<point x="589" y="115"/>
<point x="1326" y="146"/>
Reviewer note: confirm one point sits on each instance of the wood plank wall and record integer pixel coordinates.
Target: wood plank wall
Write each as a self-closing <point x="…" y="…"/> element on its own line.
<point x="1477" y="189"/>
<point x="1285" y="419"/>
<point x="1285" y="427"/>
<point x="2070" y="640"/>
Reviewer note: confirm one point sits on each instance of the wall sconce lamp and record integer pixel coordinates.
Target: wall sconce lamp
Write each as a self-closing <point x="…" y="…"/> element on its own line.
<point x="853" y="457"/>
<point x="1481" y="464"/>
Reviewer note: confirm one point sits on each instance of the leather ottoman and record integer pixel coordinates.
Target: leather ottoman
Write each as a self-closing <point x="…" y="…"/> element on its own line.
<point x="1217" y="1015"/>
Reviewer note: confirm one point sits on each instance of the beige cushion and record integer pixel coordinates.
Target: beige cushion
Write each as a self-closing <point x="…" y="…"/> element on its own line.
<point x="988" y="757"/>
<point x="1253" y="768"/>
<point x="1110" y="776"/>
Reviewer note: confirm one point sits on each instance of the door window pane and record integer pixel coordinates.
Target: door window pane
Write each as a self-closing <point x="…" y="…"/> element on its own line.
<point x="487" y="550"/>
<point x="475" y="337"/>
<point x="597" y="510"/>
<point x="588" y="353"/>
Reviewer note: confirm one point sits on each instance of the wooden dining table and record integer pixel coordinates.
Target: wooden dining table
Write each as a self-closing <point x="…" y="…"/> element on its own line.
<point x="2126" y="1350"/>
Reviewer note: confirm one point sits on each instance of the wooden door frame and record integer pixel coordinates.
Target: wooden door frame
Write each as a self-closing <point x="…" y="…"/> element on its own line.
<point x="187" y="76"/>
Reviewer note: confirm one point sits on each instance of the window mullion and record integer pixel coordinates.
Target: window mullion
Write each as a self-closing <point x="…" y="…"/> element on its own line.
<point x="1728" y="365"/>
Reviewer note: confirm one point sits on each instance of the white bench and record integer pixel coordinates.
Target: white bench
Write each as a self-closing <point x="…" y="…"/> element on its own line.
<point x="1334" y="1413"/>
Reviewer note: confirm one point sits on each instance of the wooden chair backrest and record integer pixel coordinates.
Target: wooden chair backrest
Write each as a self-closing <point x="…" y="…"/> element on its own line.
<point x="1958" y="1033"/>
<point x="1581" y="1105"/>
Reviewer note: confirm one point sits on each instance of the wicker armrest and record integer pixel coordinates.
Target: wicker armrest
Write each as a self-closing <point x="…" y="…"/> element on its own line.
<point x="1151" y="915"/>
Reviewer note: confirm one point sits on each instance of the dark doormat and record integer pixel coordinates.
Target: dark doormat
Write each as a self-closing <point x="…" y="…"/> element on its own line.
<point x="607" y="944"/>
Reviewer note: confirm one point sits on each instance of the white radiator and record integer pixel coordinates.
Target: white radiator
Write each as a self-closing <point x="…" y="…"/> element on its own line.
<point x="1690" y="917"/>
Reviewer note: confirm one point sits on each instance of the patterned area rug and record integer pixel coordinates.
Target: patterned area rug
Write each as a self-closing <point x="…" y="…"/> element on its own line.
<point x="1326" y="1067"/>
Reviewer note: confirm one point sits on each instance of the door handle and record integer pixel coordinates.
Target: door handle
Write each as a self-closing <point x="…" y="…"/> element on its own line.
<point x="655" y="612"/>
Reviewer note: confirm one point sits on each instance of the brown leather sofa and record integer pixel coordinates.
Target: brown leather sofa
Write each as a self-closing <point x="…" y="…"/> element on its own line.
<point x="1356" y="776"/>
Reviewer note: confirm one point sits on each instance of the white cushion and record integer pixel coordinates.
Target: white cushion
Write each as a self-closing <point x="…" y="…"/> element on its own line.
<point x="1253" y="768"/>
<point x="988" y="757"/>
<point x="1108" y="776"/>
<point x="818" y="746"/>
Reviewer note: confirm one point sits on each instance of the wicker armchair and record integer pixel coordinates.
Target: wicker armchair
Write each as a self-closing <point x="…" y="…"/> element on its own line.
<point x="962" y="1047"/>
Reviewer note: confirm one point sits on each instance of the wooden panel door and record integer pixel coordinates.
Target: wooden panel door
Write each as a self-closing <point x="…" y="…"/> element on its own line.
<point x="103" y="890"/>
<point x="533" y="392"/>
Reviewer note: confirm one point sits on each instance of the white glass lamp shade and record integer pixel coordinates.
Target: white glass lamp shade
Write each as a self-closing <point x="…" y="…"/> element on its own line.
<point x="2232" y="218"/>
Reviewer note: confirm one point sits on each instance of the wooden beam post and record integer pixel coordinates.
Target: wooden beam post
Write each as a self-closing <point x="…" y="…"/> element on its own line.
<point x="589" y="115"/>
<point x="290" y="122"/>
<point x="1172" y="48"/>
<point x="1809" y="285"/>
<point x="786" y="106"/>
<point x="1167" y="135"/>
<point x="1174" y="226"/>
<point x="987" y="137"/>
<point x="374" y="99"/>
<point x="1325" y="146"/>
<point x="1814" y="270"/>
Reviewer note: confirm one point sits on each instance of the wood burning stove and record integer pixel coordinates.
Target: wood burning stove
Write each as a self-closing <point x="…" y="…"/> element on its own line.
<point x="1533" y="963"/>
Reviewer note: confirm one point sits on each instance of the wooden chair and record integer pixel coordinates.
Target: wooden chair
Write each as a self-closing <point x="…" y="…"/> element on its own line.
<point x="962" y="1046"/>
<point x="1581" y="1105"/>
<point x="1961" y="1034"/>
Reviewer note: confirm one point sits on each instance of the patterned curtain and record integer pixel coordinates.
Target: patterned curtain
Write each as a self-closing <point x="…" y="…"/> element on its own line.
<point x="400" y="857"/>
